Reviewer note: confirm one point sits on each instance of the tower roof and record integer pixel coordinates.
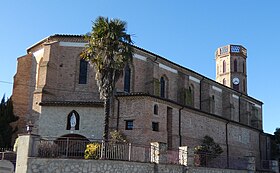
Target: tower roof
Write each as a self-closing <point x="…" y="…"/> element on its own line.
<point x="231" y="49"/>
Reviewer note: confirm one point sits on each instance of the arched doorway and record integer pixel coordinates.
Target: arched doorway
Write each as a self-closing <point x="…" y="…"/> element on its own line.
<point x="72" y="145"/>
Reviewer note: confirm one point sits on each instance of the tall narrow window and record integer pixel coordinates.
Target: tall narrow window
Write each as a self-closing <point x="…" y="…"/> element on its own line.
<point x="243" y="64"/>
<point x="162" y="87"/>
<point x="224" y="81"/>
<point x="235" y="65"/>
<point x="224" y="66"/>
<point x="212" y="105"/>
<point x="244" y="85"/>
<point x="127" y="74"/>
<point x="190" y="96"/>
<point x="83" y="71"/>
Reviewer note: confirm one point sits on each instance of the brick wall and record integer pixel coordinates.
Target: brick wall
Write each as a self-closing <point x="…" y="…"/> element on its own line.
<point x="237" y="139"/>
<point x="24" y="85"/>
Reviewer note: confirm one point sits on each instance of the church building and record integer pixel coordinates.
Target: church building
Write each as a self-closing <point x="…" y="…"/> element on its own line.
<point x="156" y="99"/>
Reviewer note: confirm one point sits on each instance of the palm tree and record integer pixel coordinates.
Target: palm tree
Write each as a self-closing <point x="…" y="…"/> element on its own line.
<point x="109" y="50"/>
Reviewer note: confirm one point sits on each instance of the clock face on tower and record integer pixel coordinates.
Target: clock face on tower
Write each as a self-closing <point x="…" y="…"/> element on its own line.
<point x="235" y="81"/>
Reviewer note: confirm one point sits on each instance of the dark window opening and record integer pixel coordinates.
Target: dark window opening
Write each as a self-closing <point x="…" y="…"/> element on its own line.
<point x="127" y="74"/>
<point x="83" y="71"/>
<point x="244" y="85"/>
<point x="162" y="87"/>
<point x="212" y="104"/>
<point x="128" y="124"/>
<point x="155" y="126"/>
<point x="235" y="65"/>
<point x="156" y="109"/>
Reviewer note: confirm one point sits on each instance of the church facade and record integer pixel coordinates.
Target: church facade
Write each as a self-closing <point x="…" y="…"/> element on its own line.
<point x="156" y="100"/>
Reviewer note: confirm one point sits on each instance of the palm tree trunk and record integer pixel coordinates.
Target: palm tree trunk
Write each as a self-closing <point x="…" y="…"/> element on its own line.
<point x="106" y="121"/>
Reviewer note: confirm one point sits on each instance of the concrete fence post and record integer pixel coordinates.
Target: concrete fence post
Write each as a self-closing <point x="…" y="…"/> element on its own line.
<point x="190" y="157"/>
<point x="183" y="155"/>
<point x="158" y="152"/>
<point x="27" y="146"/>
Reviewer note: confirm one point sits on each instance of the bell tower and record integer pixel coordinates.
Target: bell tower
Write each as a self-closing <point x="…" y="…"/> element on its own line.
<point x="231" y="68"/>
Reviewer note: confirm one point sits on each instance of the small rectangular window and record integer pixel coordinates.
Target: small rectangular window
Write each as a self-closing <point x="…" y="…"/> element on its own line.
<point x="155" y="126"/>
<point x="128" y="124"/>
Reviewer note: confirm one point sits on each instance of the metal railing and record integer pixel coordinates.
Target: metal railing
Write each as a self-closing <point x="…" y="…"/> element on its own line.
<point x="6" y="149"/>
<point x="8" y="154"/>
<point x="75" y="148"/>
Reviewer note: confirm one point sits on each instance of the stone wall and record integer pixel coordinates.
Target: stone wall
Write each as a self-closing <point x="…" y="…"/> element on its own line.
<point x="212" y="170"/>
<point x="36" y="165"/>
<point x="53" y="121"/>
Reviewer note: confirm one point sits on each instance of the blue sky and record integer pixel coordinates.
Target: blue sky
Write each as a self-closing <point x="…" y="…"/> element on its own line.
<point x="187" y="32"/>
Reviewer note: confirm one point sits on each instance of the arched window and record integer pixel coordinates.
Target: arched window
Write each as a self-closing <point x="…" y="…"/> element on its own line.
<point x="83" y="71"/>
<point x="162" y="87"/>
<point x="156" y="109"/>
<point x="127" y="74"/>
<point x="73" y="121"/>
<point x="190" y="96"/>
<point x="224" y="81"/>
<point x="224" y="66"/>
<point x="235" y="65"/>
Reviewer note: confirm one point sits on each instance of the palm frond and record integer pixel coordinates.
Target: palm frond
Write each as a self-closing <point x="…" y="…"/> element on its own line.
<point x="108" y="49"/>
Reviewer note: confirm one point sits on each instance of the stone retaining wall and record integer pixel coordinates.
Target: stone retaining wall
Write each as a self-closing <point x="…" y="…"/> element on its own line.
<point x="213" y="170"/>
<point x="37" y="165"/>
